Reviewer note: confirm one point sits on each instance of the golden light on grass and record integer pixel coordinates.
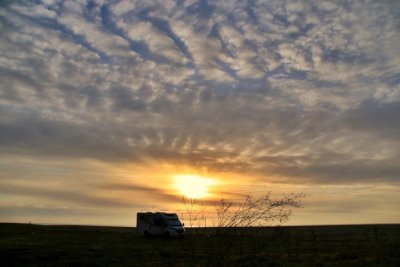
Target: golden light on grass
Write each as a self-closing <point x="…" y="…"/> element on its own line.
<point x="193" y="186"/>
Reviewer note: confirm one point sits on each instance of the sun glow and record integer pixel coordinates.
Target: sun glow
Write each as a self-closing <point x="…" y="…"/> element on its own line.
<point x="193" y="186"/>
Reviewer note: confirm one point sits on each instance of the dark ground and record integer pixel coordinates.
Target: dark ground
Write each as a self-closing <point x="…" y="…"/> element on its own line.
<point x="353" y="245"/>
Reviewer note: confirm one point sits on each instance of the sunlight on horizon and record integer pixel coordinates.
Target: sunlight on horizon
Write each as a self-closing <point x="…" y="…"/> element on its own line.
<point x="193" y="186"/>
<point x="114" y="107"/>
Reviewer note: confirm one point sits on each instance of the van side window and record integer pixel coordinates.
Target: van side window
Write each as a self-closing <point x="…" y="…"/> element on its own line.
<point x="158" y="222"/>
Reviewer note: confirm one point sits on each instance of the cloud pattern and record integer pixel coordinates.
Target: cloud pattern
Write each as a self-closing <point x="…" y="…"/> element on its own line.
<point x="286" y="91"/>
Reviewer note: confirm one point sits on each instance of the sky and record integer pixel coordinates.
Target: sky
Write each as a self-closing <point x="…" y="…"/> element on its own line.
<point x="106" y="107"/>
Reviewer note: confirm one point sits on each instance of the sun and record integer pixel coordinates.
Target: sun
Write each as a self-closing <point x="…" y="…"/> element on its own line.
<point x="193" y="186"/>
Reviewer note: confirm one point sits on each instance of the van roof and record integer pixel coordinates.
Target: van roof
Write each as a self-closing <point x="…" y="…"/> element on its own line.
<point x="161" y="214"/>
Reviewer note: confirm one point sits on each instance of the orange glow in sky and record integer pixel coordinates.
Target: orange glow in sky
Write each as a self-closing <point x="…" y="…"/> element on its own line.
<point x="193" y="186"/>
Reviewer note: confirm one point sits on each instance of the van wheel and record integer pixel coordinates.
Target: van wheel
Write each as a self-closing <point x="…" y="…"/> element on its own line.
<point x="167" y="235"/>
<point x="146" y="234"/>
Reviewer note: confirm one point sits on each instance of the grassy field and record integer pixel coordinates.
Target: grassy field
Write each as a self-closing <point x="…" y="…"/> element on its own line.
<point x="355" y="245"/>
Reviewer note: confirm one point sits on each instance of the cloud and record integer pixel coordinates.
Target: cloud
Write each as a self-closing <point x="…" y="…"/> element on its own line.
<point x="303" y="91"/>
<point x="66" y="197"/>
<point x="101" y="102"/>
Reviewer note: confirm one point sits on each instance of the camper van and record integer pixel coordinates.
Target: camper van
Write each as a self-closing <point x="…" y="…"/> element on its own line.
<point x="159" y="224"/>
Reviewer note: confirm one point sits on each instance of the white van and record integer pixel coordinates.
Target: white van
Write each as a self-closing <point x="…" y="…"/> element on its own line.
<point x="159" y="224"/>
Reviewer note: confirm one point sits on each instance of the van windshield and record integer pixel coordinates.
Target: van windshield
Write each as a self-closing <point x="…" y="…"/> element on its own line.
<point x="174" y="222"/>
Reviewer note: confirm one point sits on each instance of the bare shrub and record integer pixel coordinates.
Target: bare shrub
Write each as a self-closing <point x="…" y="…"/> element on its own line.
<point x="236" y="227"/>
<point x="193" y="214"/>
<point x="260" y="211"/>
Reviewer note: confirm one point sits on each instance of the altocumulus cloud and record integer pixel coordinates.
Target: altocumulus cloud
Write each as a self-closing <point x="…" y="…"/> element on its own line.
<point x="303" y="91"/>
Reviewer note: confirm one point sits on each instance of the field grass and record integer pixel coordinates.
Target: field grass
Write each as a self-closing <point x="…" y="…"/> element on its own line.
<point x="353" y="245"/>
